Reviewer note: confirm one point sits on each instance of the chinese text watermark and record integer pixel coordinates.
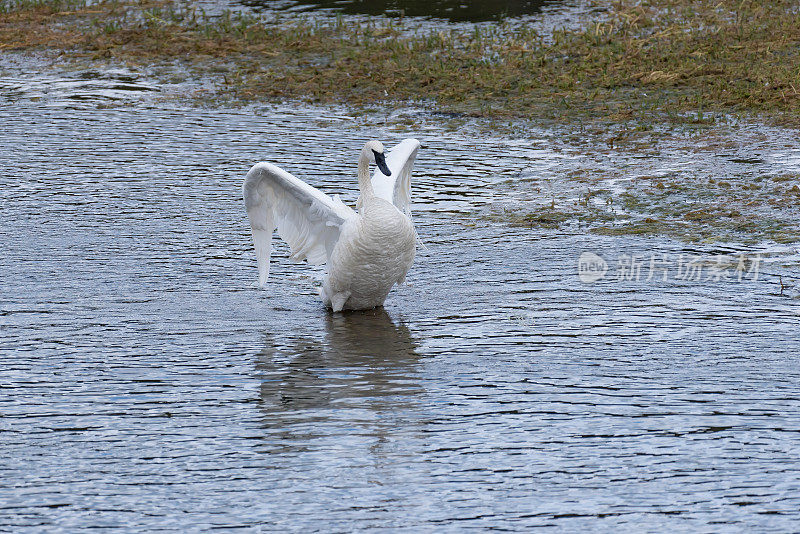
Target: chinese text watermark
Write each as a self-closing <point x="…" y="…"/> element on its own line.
<point x="659" y="267"/>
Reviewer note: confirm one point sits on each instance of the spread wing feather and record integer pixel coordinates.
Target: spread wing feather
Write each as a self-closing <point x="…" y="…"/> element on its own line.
<point x="306" y="218"/>
<point x="397" y="187"/>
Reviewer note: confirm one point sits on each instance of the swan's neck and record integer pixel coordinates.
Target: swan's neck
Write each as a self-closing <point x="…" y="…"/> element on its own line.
<point x="364" y="182"/>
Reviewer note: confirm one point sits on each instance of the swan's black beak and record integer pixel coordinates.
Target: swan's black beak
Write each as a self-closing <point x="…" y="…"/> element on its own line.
<point x="380" y="161"/>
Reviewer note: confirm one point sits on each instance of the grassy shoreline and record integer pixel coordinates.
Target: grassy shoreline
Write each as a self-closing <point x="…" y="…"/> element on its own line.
<point x="677" y="59"/>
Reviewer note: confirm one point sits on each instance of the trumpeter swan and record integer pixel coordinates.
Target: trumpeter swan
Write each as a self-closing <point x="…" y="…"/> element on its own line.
<point x="366" y="253"/>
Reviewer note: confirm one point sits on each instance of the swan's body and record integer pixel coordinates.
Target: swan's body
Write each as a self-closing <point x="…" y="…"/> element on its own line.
<point x="366" y="253"/>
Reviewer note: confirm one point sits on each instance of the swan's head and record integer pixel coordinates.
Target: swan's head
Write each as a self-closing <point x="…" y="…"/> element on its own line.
<point x="375" y="152"/>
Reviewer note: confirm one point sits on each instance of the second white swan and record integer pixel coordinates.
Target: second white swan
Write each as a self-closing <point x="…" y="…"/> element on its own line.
<point x="366" y="253"/>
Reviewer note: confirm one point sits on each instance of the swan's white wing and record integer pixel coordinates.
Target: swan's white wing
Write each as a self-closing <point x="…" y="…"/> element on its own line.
<point x="397" y="187"/>
<point x="306" y="218"/>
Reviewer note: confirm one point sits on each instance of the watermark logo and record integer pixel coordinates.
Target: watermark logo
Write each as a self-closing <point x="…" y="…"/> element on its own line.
<point x="663" y="267"/>
<point x="591" y="267"/>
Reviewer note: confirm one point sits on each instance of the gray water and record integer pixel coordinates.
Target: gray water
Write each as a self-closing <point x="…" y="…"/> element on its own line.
<point x="451" y="10"/>
<point x="146" y="384"/>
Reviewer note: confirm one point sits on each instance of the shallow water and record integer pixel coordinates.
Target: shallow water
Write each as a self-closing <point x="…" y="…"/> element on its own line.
<point x="147" y="384"/>
<point x="452" y="10"/>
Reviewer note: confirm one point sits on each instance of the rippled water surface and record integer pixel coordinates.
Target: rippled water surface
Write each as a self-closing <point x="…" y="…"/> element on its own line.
<point x="453" y="10"/>
<point x="147" y="384"/>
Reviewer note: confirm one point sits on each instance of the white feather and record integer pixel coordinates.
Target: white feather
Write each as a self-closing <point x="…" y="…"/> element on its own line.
<point x="305" y="217"/>
<point x="366" y="252"/>
<point x="397" y="187"/>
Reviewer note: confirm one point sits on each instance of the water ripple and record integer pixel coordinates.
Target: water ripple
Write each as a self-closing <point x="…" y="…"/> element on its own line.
<point x="146" y="383"/>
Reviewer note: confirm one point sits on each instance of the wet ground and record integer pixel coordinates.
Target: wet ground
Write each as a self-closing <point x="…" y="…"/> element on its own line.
<point x="525" y="377"/>
<point x="733" y="181"/>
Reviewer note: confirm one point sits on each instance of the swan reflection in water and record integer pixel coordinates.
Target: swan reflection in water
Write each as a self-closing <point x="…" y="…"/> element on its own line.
<point x="359" y="374"/>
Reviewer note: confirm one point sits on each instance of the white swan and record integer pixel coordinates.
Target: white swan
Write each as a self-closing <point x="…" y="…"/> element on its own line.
<point x="367" y="253"/>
